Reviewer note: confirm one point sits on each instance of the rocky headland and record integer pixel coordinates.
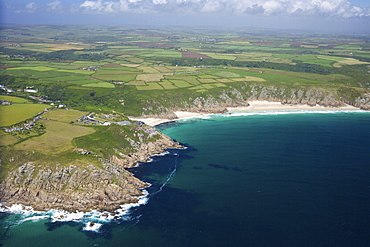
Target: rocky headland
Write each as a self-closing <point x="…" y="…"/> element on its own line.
<point x="81" y="188"/>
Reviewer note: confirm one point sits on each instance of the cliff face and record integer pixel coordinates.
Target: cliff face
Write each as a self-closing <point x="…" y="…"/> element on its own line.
<point x="79" y="188"/>
<point x="217" y="101"/>
<point x="144" y="151"/>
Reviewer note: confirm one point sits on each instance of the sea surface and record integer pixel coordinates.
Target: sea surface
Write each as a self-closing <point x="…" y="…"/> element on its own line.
<point x="245" y="179"/>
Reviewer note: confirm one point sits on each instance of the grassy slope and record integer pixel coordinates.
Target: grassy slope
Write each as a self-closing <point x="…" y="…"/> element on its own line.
<point x="16" y="113"/>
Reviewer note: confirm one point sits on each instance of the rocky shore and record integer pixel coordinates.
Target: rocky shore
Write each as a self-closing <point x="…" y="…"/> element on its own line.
<point x="81" y="188"/>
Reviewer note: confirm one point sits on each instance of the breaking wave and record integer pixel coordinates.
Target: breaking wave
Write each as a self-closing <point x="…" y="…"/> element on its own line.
<point x="277" y="112"/>
<point x="92" y="220"/>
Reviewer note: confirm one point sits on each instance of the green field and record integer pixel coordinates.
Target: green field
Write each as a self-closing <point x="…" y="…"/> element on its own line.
<point x="150" y="86"/>
<point x="144" y="67"/>
<point x="166" y="84"/>
<point x="15" y="100"/>
<point x="58" y="137"/>
<point x="37" y="68"/>
<point x="6" y="139"/>
<point x="99" y="84"/>
<point x="64" y="116"/>
<point x="16" y="113"/>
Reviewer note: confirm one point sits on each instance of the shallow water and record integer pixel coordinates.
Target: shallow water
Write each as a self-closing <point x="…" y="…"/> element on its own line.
<point x="247" y="180"/>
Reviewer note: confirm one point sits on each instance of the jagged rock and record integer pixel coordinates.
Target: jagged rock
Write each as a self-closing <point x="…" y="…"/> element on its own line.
<point x="74" y="188"/>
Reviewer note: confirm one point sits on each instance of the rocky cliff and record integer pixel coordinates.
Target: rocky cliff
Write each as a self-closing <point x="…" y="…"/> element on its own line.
<point x="217" y="100"/>
<point x="80" y="188"/>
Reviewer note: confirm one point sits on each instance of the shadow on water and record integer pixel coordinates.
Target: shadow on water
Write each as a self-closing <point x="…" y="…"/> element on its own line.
<point x="226" y="168"/>
<point x="51" y="226"/>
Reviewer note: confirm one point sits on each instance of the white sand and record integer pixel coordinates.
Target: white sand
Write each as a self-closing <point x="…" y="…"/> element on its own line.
<point x="277" y="106"/>
<point x="186" y="114"/>
<point x="254" y="106"/>
<point x="151" y="121"/>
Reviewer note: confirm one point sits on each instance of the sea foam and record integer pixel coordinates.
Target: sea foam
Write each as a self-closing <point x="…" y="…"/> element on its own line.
<point x="92" y="220"/>
<point x="284" y="112"/>
<point x="275" y="112"/>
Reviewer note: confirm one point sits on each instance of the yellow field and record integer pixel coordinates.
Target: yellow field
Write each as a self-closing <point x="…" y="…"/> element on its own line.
<point x="224" y="80"/>
<point x="151" y="77"/>
<point x="252" y="78"/>
<point x="55" y="47"/>
<point x="348" y="61"/>
<point x="136" y="83"/>
<point x="130" y="65"/>
<point x="149" y="70"/>
<point x="235" y="42"/>
<point x="309" y="46"/>
<point x="163" y="69"/>
<point x="207" y="80"/>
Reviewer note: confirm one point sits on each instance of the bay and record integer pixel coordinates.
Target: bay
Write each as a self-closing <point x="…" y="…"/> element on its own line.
<point x="248" y="180"/>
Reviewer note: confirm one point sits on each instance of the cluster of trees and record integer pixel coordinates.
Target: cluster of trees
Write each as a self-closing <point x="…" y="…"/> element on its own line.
<point x="70" y="55"/>
<point x="66" y="55"/>
<point x="7" y="79"/>
<point x="298" y="67"/>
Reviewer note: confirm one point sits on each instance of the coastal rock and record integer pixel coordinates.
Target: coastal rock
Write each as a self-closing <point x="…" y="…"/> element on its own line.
<point x="144" y="151"/>
<point x="81" y="188"/>
<point x="363" y="101"/>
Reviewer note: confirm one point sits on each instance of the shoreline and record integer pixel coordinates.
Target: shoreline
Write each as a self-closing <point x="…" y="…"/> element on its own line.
<point x="254" y="106"/>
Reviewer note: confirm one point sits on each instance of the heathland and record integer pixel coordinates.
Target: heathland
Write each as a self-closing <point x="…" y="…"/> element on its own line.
<point x="68" y="93"/>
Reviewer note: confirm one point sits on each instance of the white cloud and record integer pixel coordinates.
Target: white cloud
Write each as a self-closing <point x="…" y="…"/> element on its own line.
<point x="32" y="6"/>
<point x="211" y="6"/>
<point x="159" y="1"/>
<point x="56" y="5"/>
<point x="322" y="8"/>
<point x="101" y="7"/>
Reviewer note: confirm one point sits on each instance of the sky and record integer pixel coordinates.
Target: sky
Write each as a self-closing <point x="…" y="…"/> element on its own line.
<point x="346" y="16"/>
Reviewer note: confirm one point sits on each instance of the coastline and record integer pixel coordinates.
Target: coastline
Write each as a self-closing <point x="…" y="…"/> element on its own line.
<point x="254" y="106"/>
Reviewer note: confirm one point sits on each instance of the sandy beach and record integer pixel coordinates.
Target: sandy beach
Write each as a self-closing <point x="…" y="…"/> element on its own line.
<point x="254" y="106"/>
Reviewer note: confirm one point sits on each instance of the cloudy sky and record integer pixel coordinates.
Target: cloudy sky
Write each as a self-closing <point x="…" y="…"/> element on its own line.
<point x="322" y="15"/>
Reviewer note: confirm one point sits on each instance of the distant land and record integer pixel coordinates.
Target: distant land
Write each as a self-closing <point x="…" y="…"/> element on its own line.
<point x="73" y="97"/>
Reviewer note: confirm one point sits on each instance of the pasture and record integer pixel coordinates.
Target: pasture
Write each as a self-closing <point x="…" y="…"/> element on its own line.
<point x="99" y="84"/>
<point x="65" y="116"/>
<point x="58" y="137"/>
<point x="13" y="114"/>
<point x="7" y="139"/>
<point x="15" y="100"/>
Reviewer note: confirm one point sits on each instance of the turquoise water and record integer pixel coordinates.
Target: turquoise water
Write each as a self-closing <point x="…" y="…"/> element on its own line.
<point x="253" y="180"/>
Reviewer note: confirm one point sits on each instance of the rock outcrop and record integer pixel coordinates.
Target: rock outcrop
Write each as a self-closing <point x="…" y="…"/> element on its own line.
<point x="80" y="187"/>
<point x="216" y="102"/>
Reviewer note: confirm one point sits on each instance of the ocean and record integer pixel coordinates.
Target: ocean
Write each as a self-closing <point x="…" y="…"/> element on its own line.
<point x="245" y="179"/>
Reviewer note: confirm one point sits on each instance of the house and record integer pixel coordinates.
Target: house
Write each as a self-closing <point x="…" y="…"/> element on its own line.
<point x="30" y="90"/>
<point x="123" y="123"/>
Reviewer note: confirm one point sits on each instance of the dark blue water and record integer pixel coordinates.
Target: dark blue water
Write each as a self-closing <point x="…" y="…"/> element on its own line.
<point x="259" y="180"/>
